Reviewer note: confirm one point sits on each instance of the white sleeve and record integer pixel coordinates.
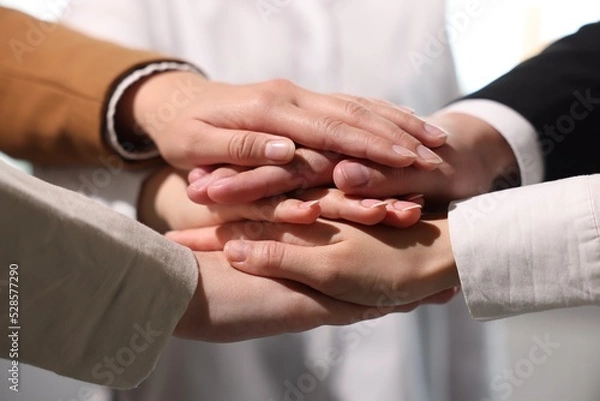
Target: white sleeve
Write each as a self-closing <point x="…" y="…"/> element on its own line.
<point x="529" y="249"/>
<point x="517" y="131"/>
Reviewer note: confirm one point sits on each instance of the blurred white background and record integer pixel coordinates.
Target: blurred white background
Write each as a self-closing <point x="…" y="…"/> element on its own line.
<point x="505" y="33"/>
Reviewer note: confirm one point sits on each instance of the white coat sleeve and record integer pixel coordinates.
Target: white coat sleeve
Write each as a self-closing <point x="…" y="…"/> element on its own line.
<point x="529" y="249"/>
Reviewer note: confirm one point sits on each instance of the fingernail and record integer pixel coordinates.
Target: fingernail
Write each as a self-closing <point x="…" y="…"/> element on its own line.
<point x="196" y="174"/>
<point x="309" y="205"/>
<point x="435" y="132"/>
<point x="415" y="197"/>
<point x="236" y="251"/>
<point x="279" y="150"/>
<point x="428" y="155"/>
<point x="200" y="183"/>
<point x="356" y="175"/>
<point x="372" y="203"/>
<point x="413" y="207"/>
<point x="402" y="151"/>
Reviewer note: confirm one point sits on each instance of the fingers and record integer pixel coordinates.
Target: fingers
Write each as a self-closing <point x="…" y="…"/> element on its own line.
<point x="428" y="134"/>
<point x="278" y="260"/>
<point x="198" y="172"/>
<point x="325" y="131"/>
<point x="392" y="123"/>
<point x="242" y="148"/>
<point x="277" y="210"/>
<point x="363" y="178"/>
<point x="402" y="214"/>
<point x="230" y="305"/>
<point x="201" y="178"/>
<point x="203" y="144"/>
<point x="215" y="237"/>
<point x="198" y="239"/>
<point x="336" y="205"/>
<point x="317" y="268"/>
<point x="229" y="185"/>
<point x="304" y="311"/>
<point x="334" y="124"/>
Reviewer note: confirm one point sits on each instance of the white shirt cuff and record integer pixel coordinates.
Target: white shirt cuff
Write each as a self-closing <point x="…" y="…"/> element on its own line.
<point x="518" y="132"/>
<point x="111" y="133"/>
<point x="529" y="249"/>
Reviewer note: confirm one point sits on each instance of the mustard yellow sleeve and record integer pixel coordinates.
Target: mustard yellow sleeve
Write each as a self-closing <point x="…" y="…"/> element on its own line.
<point x="54" y="85"/>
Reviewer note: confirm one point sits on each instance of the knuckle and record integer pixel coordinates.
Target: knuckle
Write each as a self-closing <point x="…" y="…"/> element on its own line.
<point x="356" y="110"/>
<point x="243" y="147"/>
<point x="275" y="91"/>
<point x="281" y="85"/>
<point x="265" y="99"/>
<point x="362" y="101"/>
<point x="331" y="126"/>
<point x="371" y="145"/>
<point x="272" y="253"/>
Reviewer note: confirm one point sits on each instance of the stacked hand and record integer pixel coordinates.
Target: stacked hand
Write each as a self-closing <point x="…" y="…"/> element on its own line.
<point x="264" y="161"/>
<point x="262" y="297"/>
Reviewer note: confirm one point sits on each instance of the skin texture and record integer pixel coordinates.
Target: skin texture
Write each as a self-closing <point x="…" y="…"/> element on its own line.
<point x="362" y="265"/>
<point x="195" y="122"/>
<point x="164" y="206"/>
<point x="475" y="157"/>
<point x="323" y="274"/>
<point x="230" y="305"/>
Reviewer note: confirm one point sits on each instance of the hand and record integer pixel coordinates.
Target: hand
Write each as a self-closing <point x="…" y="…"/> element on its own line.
<point x="363" y="265"/>
<point x="230" y="305"/>
<point x="164" y="206"/>
<point x="197" y="122"/>
<point x="232" y="184"/>
<point x="475" y="157"/>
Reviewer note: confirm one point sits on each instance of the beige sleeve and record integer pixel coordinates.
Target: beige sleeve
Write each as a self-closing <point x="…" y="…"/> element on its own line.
<point x="99" y="295"/>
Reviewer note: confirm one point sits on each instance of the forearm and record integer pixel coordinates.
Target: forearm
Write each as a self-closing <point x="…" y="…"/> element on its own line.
<point x="529" y="249"/>
<point x="492" y="155"/>
<point x="94" y="283"/>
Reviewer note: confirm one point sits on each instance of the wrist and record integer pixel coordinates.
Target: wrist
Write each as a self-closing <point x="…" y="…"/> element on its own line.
<point x="446" y="272"/>
<point x="155" y="101"/>
<point x="492" y="157"/>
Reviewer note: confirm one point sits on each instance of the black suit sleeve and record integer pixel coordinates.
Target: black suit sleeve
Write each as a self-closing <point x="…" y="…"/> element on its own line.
<point x="558" y="91"/>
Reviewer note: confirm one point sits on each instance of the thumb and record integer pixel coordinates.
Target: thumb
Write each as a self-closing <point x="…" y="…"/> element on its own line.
<point x="274" y="259"/>
<point x="211" y="145"/>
